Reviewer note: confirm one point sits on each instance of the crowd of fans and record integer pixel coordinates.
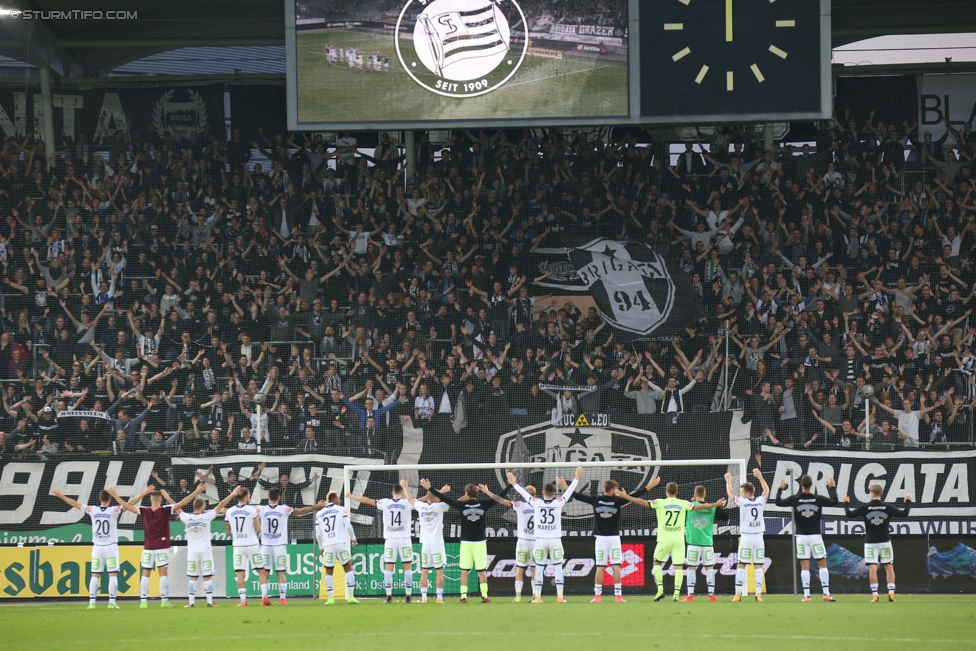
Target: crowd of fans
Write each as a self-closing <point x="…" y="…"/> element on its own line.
<point x="161" y="284"/>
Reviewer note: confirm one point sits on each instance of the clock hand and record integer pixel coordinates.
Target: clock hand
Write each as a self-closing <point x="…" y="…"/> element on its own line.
<point x="728" y="21"/>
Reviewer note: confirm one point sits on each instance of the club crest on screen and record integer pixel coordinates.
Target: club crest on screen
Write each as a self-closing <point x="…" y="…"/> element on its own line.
<point x="461" y="48"/>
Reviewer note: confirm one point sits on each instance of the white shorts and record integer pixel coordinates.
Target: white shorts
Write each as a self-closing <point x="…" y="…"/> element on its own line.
<point x="199" y="562"/>
<point x="105" y="558"/>
<point x="394" y="548"/>
<point x="154" y="558"/>
<point x="275" y="557"/>
<point x="248" y="557"/>
<point x="549" y="549"/>
<point x="752" y="549"/>
<point x="699" y="555"/>
<point x="523" y="552"/>
<point x="433" y="556"/>
<point x="608" y="551"/>
<point x="811" y="546"/>
<point x="333" y="555"/>
<point x="875" y="553"/>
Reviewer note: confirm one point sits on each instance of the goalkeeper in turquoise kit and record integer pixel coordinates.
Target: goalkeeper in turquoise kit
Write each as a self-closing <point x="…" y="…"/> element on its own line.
<point x="698" y="534"/>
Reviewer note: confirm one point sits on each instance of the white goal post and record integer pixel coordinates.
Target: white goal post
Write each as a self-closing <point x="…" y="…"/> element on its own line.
<point x="736" y="467"/>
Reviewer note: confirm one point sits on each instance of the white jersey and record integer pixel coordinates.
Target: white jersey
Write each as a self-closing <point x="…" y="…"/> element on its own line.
<point x="525" y="513"/>
<point x="105" y="524"/>
<point x="751" y="520"/>
<point x="548" y="523"/>
<point x="241" y="521"/>
<point x="431" y="518"/>
<point x="334" y="526"/>
<point x="396" y="517"/>
<point x="198" y="530"/>
<point x="274" y="524"/>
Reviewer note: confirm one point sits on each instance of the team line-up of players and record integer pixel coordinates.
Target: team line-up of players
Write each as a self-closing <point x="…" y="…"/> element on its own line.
<point x="684" y="534"/>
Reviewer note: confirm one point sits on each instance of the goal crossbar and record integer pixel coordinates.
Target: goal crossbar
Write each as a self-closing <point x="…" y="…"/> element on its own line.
<point x="739" y="464"/>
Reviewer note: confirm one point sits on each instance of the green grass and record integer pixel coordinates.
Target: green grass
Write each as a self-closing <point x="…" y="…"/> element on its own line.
<point x="541" y="88"/>
<point x="779" y="623"/>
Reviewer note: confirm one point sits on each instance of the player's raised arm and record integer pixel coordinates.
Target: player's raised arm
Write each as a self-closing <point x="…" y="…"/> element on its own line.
<point x="305" y="510"/>
<point x="222" y="504"/>
<point x="498" y="498"/>
<point x="406" y="492"/>
<point x="67" y="500"/>
<point x="450" y="501"/>
<point x="853" y="513"/>
<point x="831" y="498"/>
<point x="728" y="487"/>
<point x="521" y="491"/>
<point x="757" y="473"/>
<point x="720" y="504"/>
<point x="188" y="499"/>
<point x="568" y="494"/>
<point x="780" y="499"/>
<point x="902" y="513"/>
<point x="131" y="505"/>
<point x="368" y="501"/>
<point x="633" y="500"/>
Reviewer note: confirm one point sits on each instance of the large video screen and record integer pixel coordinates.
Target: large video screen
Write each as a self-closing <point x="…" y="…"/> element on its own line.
<point x="425" y="61"/>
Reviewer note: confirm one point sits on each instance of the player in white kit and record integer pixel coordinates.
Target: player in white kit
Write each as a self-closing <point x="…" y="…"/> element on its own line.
<point x="335" y="535"/>
<point x="274" y="542"/>
<point x="433" y="555"/>
<point x="199" y="549"/>
<point x="105" y="542"/>
<point x="245" y="525"/>
<point x="752" y="526"/>
<point x="548" y="530"/>
<point x="396" y="538"/>
<point x="525" y="540"/>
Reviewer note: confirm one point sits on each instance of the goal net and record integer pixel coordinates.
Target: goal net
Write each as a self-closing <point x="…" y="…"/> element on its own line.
<point x="376" y="481"/>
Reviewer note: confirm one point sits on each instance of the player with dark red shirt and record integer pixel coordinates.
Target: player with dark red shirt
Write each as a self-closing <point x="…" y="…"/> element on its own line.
<point x="155" y="548"/>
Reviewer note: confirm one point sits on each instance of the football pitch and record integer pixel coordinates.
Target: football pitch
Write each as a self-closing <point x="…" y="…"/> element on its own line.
<point x="781" y="622"/>
<point x="542" y="87"/>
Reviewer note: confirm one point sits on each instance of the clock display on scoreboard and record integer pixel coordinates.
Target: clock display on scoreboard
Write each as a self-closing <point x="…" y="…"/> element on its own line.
<point x="737" y="57"/>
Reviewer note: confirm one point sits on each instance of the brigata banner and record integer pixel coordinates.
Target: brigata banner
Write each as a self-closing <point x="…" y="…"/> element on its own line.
<point x="635" y="288"/>
<point x="940" y="483"/>
<point x="942" y="97"/>
<point x="99" y="114"/>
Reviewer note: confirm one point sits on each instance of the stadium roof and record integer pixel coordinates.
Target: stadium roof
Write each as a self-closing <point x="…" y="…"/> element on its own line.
<point x="93" y="48"/>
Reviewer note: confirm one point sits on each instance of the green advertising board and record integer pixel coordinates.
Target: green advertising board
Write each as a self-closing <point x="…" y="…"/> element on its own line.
<point x="367" y="563"/>
<point x="304" y="572"/>
<point x="300" y="574"/>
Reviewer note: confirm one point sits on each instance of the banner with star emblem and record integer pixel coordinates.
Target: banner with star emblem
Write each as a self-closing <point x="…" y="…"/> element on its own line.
<point x="637" y="290"/>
